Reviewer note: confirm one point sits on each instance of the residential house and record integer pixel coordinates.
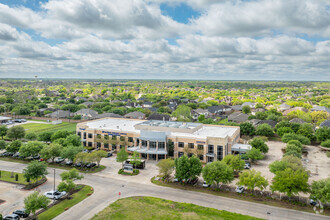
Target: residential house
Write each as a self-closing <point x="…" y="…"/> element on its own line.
<point x="297" y="120"/>
<point x="106" y="115"/>
<point x="286" y="112"/>
<point x="195" y="113"/>
<point x="238" y="117"/>
<point x="153" y="109"/>
<point x="325" y="123"/>
<point x="284" y="107"/>
<point x="269" y="122"/>
<point x="88" y="104"/>
<point x="158" y="116"/>
<point x="320" y="108"/>
<point x="147" y="104"/>
<point x="250" y="104"/>
<point x="59" y="114"/>
<point x="135" y="115"/>
<point x="219" y="110"/>
<point x="237" y="108"/>
<point x="86" y="113"/>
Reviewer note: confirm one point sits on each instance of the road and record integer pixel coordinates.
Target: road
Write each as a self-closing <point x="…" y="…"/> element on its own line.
<point x="107" y="188"/>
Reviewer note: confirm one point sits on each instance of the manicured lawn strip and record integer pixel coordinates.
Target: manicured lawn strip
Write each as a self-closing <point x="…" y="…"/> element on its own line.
<point x="68" y="203"/>
<point x="93" y="170"/>
<point x="154" y="208"/>
<point x="245" y="197"/>
<point x="5" y="176"/>
<point x="40" y="127"/>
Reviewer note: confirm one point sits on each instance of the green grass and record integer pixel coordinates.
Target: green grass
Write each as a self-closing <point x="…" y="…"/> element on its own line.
<point x="40" y="128"/>
<point x="245" y="197"/>
<point x="5" y="176"/>
<point x="154" y="208"/>
<point x="68" y="203"/>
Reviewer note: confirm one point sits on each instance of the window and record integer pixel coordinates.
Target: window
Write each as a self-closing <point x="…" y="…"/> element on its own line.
<point x="190" y="155"/>
<point x="137" y="141"/>
<point x="130" y="139"/>
<point x="161" y="145"/>
<point x="181" y="144"/>
<point x="180" y="154"/>
<point x="79" y="133"/>
<point x="106" y="146"/>
<point x="84" y="143"/>
<point x="201" y="157"/>
<point x="98" y="144"/>
<point x="84" y="135"/>
<point x="98" y="136"/>
<point x="114" y="147"/>
<point x="122" y="138"/>
<point x="191" y="145"/>
<point x="211" y="149"/>
<point x="219" y="152"/>
<point x="160" y="157"/>
<point x="106" y="137"/>
<point x="122" y="146"/>
<point x="90" y="144"/>
<point x="114" y="137"/>
<point x="200" y="147"/>
<point x="144" y="143"/>
<point x="90" y="135"/>
<point x="152" y="144"/>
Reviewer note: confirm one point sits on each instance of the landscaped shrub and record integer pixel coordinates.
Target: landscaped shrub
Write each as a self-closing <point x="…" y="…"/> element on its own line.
<point x="265" y="130"/>
<point x="326" y="143"/>
<point x="293" y="150"/>
<point x="296" y="142"/>
<point x="284" y="130"/>
<point x="291" y="136"/>
<point x="322" y="134"/>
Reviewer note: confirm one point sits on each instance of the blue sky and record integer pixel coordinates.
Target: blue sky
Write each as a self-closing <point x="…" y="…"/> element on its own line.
<point x="174" y="39"/>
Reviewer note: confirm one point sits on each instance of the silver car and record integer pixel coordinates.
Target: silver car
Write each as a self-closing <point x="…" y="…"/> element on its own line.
<point x="55" y="194"/>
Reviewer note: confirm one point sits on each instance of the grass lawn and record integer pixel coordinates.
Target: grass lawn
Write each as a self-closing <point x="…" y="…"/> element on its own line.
<point x="40" y="128"/>
<point x="5" y="176"/>
<point x="245" y="197"/>
<point x="68" y="203"/>
<point x="154" y="208"/>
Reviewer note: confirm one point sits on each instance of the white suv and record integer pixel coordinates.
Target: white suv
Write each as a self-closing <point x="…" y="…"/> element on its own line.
<point x="54" y="194"/>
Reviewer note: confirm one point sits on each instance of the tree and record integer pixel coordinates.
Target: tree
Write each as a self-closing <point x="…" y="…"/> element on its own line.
<point x="14" y="146"/>
<point x="254" y="154"/>
<point x="3" y="130"/>
<point x="260" y="144"/>
<point x="35" y="201"/>
<point x="35" y="170"/>
<point x="31" y="136"/>
<point x="135" y="159"/>
<point x="72" y="140"/>
<point x="261" y="115"/>
<point x="290" y="161"/>
<point x="51" y="151"/>
<point x="31" y="148"/>
<point x="293" y="150"/>
<point x="98" y="155"/>
<point x="218" y="172"/>
<point x="122" y="156"/>
<point x="326" y="143"/>
<point x="70" y="152"/>
<point x="291" y="136"/>
<point x="16" y="132"/>
<point x="2" y="144"/>
<point x="252" y="179"/>
<point x="234" y="162"/>
<point x="201" y="118"/>
<point x="290" y="182"/>
<point x="284" y="130"/>
<point x="59" y="134"/>
<point x="187" y="168"/>
<point x="322" y="134"/>
<point x="319" y="116"/>
<point x="297" y="143"/>
<point x="166" y="168"/>
<point x="182" y="113"/>
<point x="45" y="136"/>
<point x="246" y="109"/>
<point x="320" y="190"/>
<point x="265" y="130"/>
<point x="81" y="157"/>
<point x="306" y="130"/>
<point x="247" y="128"/>
<point x="68" y="177"/>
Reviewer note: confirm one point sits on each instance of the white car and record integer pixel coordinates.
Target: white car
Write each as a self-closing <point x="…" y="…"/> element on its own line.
<point x="247" y="166"/>
<point x="240" y="189"/>
<point x="55" y="194"/>
<point x="205" y="185"/>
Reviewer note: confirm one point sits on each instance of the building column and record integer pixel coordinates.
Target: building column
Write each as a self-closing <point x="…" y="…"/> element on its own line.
<point x="156" y="157"/>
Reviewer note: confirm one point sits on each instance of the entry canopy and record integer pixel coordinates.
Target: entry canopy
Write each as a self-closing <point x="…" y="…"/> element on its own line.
<point x="152" y="136"/>
<point x="242" y="148"/>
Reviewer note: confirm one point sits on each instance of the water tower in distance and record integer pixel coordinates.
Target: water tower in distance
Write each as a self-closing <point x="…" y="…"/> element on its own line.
<point x="36" y="78"/>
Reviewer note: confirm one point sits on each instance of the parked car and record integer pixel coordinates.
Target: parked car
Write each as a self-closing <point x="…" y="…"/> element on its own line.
<point x="79" y="164"/>
<point x="205" y="185"/>
<point x="240" y="189"/>
<point x="36" y="157"/>
<point x="42" y="159"/>
<point x="23" y="120"/>
<point x="90" y="165"/>
<point x="312" y="202"/>
<point x="10" y="154"/>
<point x="55" y="194"/>
<point x="175" y="180"/>
<point x="109" y="154"/>
<point x="193" y="182"/>
<point x="21" y="213"/>
<point x="16" y="154"/>
<point x="18" y="120"/>
<point x="59" y="160"/>
<point x="69" y="162"/>
<point x="11" y="217"/>
<point x="247" y="166"/>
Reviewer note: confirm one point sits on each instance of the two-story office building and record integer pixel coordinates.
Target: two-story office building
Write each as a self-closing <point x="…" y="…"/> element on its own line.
<point x="160" y="139"/>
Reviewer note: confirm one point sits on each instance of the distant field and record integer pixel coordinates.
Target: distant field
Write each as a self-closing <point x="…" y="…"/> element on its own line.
<point x="154" y="208"/>
<point x="40" y="128"/>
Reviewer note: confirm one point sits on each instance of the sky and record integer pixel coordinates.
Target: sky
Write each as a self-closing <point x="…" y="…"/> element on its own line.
<point x="172" y="39"/>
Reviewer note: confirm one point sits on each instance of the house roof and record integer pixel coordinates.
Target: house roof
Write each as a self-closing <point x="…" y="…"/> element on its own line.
<point x="325" y="123"/>
<point x="270" y="122"/>
<point x="297" y="120"/>
<point x="294" y="109"/>
<point x="214" y="109"/>
<point x="238" y="117"/>
<point x="105" y="115"/>
<point x="237" y="107"/>
<point x="60" y="114"/>
<point x="86" y="111"/>
<point x="135" y="114"/>
<point x="321" y="108"/>
<point x="200" y="111"/>
<point x="157" y="116"/>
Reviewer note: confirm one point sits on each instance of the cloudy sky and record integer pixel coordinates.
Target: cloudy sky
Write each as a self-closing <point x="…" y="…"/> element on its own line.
<point x="166" y="39"/>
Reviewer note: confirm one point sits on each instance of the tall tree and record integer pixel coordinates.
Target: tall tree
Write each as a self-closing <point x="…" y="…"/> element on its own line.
<point x="166" y="168"/>
<point x="182" y="113"/>
<point x="135" y="159"/>
<point x="234" y="162"/>
<point x="290" y="182"/>
<point x="70" y="152"/>
<point x="3" y="130"/>
<point x="246" y="128"/>
<point x="254" y="154"/>
<point x="31" y="148"/>
<point x="320" y="190"/>
<point x="260" y="144"/>
<point x="265" y="130"/>
<point x="51" y="151"/>
<point x="16" y="132"/>
<point x="122" y="156"/>
<point x="252" y="179"/>
<point x="14" y="146"/>
<point x="99" y="154"/>
<point x="187" y="168"/>
<point x="35" y="170"/>
<point x="218" y="172"/>
<point x="34" y="202"/>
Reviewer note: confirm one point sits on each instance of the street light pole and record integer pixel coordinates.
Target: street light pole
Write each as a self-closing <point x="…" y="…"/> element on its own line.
<point x="54" y="186"/>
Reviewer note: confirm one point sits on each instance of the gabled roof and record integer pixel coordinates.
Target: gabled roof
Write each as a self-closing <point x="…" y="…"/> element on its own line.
<point x="157" y="116"/>
<point x="321" y="108"/>
<point x="135" y="114"/>
<point x="325" y="123"/>
<point x="237" y="107"/>
<point x="270" y="122"/>
<point x="60" y="114"/>
<point x="238" y="117"/>
<point x="105" y="115"/>
<point x="200" y="111"/>
<point x="87" y="111"/>
<point x="214" y="109"/>
<point x="297" y="120"/>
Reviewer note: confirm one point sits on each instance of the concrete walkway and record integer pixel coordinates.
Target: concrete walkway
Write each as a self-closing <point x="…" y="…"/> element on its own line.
<point x="107" y="188"/>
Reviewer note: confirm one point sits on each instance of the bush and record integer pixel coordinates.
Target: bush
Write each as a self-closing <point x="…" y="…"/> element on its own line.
<point x="284" y="130"/>
<point x="292" y="149"/>
<point x="326" y="143"/>
<point x="322" y="134"/>
<point x="31" y="136"/>
<point x="265" y="130"/>
<point x="258" y="143"/>
<point x="291" y="136"/>
<point x="295" y="142"/>
<point x="2" y="144"/>
<point x="135" y="172"/>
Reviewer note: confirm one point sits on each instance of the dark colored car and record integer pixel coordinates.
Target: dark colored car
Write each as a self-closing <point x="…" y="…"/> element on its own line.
<point x="90" y="165"/>
<point x="69" y="162"/>
<point x="78" y="164"/>
<point x="11" y="217"/>
<point x="21" y="213"/>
